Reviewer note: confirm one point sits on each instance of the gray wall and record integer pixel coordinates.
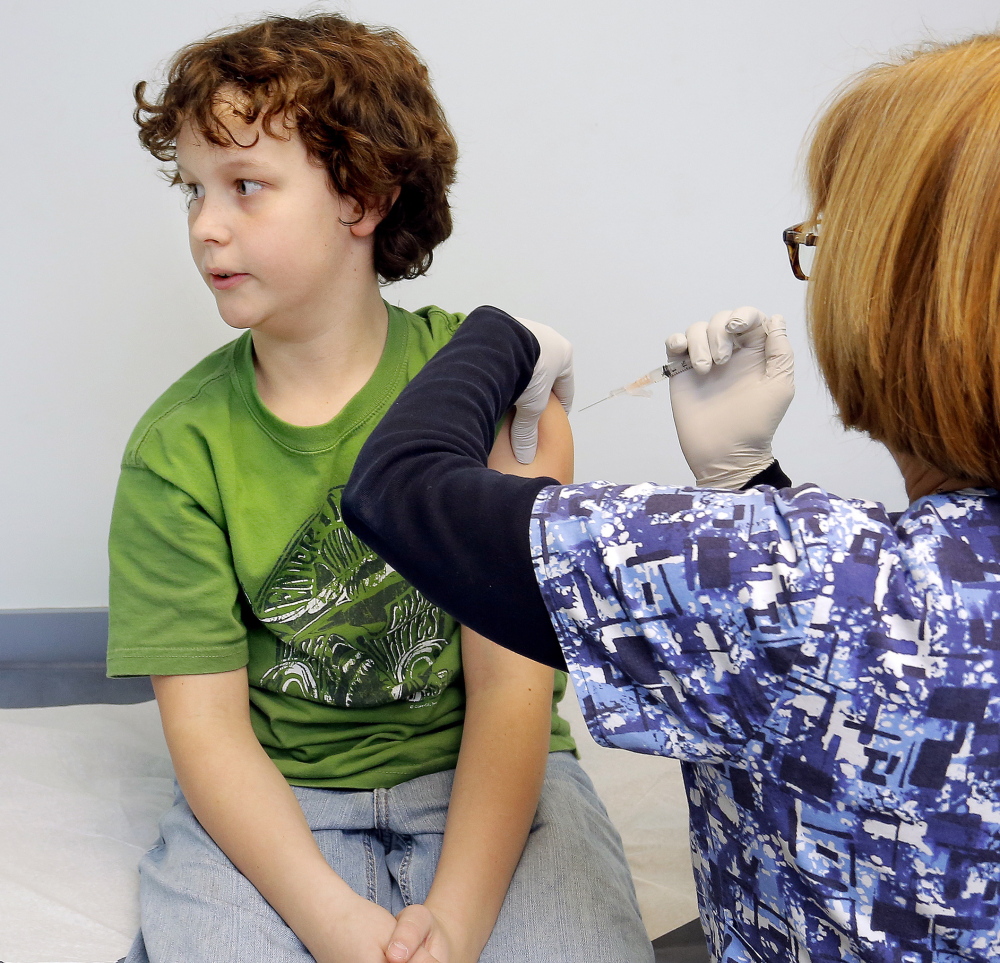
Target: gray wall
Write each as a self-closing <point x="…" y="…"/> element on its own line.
<point x="626" y="169"/>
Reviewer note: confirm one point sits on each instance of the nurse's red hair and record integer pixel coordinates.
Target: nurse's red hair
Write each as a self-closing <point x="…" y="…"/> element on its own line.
<point x="904" y="294"/>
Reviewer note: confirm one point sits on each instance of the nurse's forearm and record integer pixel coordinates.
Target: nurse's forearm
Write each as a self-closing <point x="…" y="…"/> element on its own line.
<point x="421" y="496"/>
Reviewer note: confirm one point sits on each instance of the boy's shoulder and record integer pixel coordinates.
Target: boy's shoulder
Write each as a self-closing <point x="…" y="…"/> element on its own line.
<point x="433" y="323"/>
<point x="414" y="338"/>
<point x="198" y="395"/>
<point x="186" y="413"/>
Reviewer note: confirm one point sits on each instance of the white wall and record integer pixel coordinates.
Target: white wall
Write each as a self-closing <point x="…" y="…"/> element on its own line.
<point x="627" y="168"/>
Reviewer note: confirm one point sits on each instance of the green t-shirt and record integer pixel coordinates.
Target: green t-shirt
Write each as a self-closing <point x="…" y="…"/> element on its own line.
<point x="228" y="549"/>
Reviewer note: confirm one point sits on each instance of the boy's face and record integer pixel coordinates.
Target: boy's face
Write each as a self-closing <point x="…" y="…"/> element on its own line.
<point x="266" y="229"/>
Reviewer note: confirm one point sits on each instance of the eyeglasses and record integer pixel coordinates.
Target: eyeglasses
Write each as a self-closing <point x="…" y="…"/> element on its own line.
<point x="794" y="237"/>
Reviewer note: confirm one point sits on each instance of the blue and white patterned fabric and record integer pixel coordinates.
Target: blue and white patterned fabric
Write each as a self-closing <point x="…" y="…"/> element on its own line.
<point x="831" y="682"/>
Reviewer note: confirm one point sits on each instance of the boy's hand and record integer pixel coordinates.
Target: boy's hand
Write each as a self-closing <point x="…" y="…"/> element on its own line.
<point x="360" y="932"/>
<point x="553" y="375"/>
<point x="727" y="409"/>
<point x="418" y="930"/>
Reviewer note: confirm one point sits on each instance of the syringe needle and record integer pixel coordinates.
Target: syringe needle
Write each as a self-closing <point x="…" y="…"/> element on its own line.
<point x="734" y="326"/>
<point x="668" y="370"/>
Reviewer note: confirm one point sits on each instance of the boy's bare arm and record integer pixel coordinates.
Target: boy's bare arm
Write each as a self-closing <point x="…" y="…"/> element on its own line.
<point x="501" y="764"/>
<point x="248" y="808"/>
<point x="497" y="784"/>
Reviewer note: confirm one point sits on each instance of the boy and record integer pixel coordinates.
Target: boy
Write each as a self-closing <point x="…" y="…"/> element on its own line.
<point x="314" y="704"/>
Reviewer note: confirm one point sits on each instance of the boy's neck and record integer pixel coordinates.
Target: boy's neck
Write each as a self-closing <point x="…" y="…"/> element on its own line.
<point x="307" y="373"/>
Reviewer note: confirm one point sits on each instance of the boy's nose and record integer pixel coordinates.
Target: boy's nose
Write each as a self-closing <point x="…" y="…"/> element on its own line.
<point x="209" y="223"/>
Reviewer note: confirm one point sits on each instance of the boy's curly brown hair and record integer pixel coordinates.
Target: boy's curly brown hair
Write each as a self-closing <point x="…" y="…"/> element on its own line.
<point x="359" y="97"/>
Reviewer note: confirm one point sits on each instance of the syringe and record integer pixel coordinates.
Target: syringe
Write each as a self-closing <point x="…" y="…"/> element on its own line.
<point x="669" y="370"/>
<point x="638" y="387"/>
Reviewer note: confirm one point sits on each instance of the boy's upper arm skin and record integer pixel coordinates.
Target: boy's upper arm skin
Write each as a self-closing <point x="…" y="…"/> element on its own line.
<point x="186" y="698"/>
<point x="195" y="709"/>
<point x="554" y="457"/>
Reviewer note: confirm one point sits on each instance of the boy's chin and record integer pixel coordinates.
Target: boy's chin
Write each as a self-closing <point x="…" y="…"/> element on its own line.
<point x="240" y="320"/>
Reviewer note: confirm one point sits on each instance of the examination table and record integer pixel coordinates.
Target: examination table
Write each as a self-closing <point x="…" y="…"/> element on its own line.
<point x="85" y="775"/>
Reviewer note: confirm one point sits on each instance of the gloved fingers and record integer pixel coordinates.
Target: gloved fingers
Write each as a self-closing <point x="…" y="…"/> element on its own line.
<point x="744" y="321"/>
<point x="677" y="346"/>
<point x="720" y="340"/>
<point x="713" y="342"/>
<point x="553" y="373"/>
<point x="779" y="359"/>
<point x="730" y="330"/>
<point x="555" y="365"/>
<point x="524" y="431"/>
<point x="564" y="388"/>
<point x="698" y="348"/>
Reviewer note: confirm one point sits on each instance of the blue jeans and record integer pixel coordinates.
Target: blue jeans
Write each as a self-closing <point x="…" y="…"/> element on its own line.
<point x="571" y="897"/>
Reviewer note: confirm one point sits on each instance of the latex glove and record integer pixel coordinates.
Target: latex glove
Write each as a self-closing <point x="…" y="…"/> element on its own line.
<point x="727" y="409"/>
<point x="553" y="375"/>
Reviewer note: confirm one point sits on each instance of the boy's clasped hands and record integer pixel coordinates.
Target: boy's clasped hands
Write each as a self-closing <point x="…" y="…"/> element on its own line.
<point x="367" y="933"/>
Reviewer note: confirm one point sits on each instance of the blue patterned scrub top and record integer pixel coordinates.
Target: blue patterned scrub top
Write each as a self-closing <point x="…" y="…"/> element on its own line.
<point x="829" y="679"/>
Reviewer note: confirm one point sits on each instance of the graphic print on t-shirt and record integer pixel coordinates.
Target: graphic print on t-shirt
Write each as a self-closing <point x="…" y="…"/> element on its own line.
<point x="351" y="632"/>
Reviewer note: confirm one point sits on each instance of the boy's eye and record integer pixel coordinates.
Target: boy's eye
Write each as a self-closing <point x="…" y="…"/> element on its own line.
<point x="192" y="193"/>
<point x="246" y="188"/>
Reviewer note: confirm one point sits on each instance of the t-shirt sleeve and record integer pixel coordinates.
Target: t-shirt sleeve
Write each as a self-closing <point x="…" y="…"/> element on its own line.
<point x="174" y="596"/>
<point x="441" y="324"/>
<point x="681" y="611"/>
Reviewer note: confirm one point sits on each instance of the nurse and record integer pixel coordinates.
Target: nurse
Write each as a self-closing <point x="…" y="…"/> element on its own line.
<point x="828" y="674"/>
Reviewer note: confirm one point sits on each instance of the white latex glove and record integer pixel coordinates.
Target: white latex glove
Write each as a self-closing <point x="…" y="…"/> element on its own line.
<point x="553" y="373"/>
<point x="727" y="409"/>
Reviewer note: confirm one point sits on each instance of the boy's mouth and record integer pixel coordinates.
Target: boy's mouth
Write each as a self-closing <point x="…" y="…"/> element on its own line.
<point x="221" y="280"/>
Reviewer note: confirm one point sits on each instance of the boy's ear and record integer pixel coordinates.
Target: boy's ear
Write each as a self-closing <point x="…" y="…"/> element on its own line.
<point x="376" y="209"/>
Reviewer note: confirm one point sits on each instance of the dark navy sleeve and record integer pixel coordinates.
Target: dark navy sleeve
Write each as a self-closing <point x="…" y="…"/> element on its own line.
<point x="421" y="496"/>
<point x="772" y="475"/>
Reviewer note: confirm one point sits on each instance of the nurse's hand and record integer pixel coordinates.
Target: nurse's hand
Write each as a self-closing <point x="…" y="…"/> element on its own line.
<point x="727" y="409"/>
<point x="553" y="375"/>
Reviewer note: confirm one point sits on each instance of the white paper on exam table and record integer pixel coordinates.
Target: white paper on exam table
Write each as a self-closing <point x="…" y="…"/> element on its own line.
<point x="81" y="791"/>
<point x="82" y="788"/>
